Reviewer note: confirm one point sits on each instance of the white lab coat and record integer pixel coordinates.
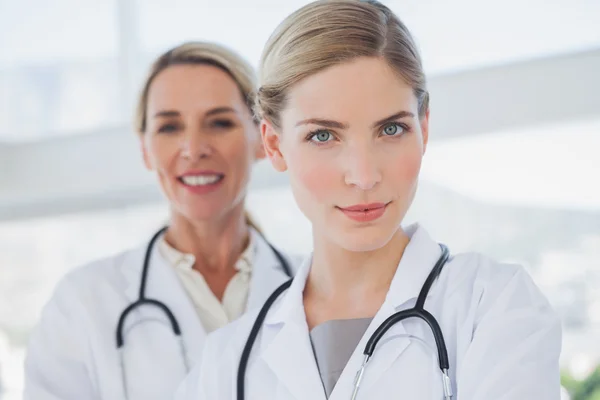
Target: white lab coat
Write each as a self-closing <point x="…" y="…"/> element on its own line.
<point x="503" y="340"/>
<point x="72" y="353"/>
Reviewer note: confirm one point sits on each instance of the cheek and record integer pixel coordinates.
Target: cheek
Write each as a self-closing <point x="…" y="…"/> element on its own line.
<point x="404" y="171"/>
<point x="314" y="176"/>
<point x="237" y="151"/>
<point x="161" y="152"/>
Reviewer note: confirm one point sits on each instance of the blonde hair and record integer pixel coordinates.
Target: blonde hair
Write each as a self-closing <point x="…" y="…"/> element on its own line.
<point x="199" y="53"/>
<point x="327" y="33"/>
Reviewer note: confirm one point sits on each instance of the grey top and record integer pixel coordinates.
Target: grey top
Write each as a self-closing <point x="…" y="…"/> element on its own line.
<point x="333" y="343"/>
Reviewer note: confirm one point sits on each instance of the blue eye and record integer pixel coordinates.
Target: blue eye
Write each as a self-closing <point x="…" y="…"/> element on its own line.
<point x="321" y="136"/>
<point x="393" y="129"/>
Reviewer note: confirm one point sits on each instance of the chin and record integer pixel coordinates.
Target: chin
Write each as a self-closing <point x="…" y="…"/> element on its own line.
<point x="201" y="212"/>
<point x="363" y="239"/>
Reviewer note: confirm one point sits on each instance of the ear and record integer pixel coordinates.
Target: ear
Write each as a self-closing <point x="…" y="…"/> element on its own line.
<point x="145" y="153"/>
<point x="425" y="130"/>
<point x="272" y="143"/>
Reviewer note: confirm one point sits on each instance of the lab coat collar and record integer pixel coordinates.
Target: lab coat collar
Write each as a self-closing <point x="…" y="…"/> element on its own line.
<point x="267" y="272"/>
<point x="133" y="264"/>
<point x="419" y="258"/>
<point x="164" y="285"/>
<point x="291" y="341"/>
<point x="291" y="303"/>
<point x="285" y="335"/>
<point x="186" y="260"/>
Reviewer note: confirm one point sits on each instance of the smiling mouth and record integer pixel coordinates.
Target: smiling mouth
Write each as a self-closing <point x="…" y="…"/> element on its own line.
<point x="201" y="180"/>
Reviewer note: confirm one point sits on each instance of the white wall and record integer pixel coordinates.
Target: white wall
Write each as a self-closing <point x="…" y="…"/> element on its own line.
<point x="563" y="88"/>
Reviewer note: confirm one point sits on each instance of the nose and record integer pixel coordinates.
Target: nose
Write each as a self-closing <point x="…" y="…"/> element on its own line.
<point x="194" y="145"/>
<point x="362" y="168"/>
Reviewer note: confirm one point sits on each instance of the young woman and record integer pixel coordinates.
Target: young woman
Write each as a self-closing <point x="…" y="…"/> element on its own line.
<point x="345" y="110"/>
<point x="130" y="326"/>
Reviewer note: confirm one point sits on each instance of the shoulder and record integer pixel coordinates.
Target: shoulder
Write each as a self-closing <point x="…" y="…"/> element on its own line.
<point x="480" y="271"/>
<point x="504" y="324"/>
<point x="102" y="268"/>
<point x="473" y="279"/>
<point x="496" y="287"/>
<point x="100" y="275"/>
<point x="484" y="273"/>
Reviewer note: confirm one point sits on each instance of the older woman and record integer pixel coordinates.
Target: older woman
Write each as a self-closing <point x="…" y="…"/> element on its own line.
<point x="132" y="325"/>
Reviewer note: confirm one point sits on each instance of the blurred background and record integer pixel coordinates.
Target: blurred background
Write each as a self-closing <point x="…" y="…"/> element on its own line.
<point x="513" y="169"/>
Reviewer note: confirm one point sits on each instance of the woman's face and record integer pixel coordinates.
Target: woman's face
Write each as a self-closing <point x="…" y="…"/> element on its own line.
<point x="353" y="142"/>
<point x="200" y="140"/>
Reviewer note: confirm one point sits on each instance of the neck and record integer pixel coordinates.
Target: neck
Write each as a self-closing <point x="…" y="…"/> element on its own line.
<point x="216" y="244"/>
<point x="350" y="284"/>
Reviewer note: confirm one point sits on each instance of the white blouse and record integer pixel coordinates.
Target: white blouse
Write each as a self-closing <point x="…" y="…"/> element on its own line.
<point x="212" y="313"/>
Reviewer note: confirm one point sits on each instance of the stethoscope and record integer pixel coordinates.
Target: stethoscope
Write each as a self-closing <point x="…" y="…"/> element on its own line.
<point x="143" y="300"/>
<point x="418" y="311"/>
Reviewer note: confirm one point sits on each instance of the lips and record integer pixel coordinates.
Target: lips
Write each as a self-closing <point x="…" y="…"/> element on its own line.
<point x="364" y="212"/>
<point x="363" y="207"/>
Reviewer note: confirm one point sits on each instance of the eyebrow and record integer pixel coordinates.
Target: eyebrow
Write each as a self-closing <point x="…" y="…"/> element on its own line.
<point x="211" y="112"/>
<point x="220" y="110"/>
<point x="328" y="123"/>
<point x="391" y="118"/>
<point x="167" y="113"/>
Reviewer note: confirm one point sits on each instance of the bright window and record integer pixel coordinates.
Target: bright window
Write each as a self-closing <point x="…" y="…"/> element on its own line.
<point x="58" y="68"/>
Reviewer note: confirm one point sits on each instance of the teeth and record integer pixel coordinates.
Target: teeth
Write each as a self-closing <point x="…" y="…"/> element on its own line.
<point x="200" y="180"/>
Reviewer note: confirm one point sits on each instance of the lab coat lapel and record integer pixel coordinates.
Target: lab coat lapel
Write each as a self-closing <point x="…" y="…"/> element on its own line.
<point x="419" y="258"/>
<point x="164" y="286"/>
<point x="288" y="350"/>
<point x="417" y="261"/>
<point x="267" y="274"/>
<point x="132" y="272"/>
